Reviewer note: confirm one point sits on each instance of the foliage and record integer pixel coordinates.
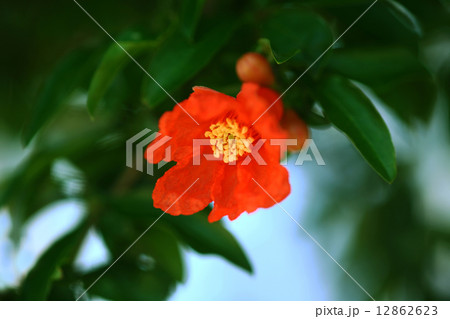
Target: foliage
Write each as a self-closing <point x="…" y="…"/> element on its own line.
<point x="76" y="95"/>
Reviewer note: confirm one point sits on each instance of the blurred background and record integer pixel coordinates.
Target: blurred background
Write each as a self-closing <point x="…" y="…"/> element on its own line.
<point x="70" y="97"/>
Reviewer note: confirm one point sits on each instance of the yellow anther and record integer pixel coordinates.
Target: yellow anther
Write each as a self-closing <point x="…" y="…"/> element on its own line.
<point x="229" y="139"/>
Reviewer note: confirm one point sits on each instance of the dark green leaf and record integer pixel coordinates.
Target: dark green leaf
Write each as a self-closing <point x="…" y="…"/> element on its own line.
<point x="315" y="120"/>
<point x="114" y="60"/>
<point x="9" y="295"/>
<point x="404" y="16"/>
<point x="159" y="243"/>
<point x="195" y="230"/>
<point x="68" y="75"/>
<point x="27" y="175"/>
<point x="127" y="282"/>
<point x="210" y="238"/>
<point x="354" y="114"/>
<point x="394" y="74"/>
<point x="36" y="284"/>
<point x="293" y="31"/>
<point x="30" y="186"/>
<point x="334" y="3"/>
<point x="374" y="66"/>
<point x="444" y="78"/>
<point x="178" y="60"/>
<point x="190" y="14"/>
<point x="379" y="26"/>
<point x="162" y="245"/>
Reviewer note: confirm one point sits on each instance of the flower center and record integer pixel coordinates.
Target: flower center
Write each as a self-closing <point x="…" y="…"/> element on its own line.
<point x="229" y="139"/>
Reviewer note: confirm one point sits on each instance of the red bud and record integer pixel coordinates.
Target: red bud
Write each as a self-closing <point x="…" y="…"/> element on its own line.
<point x="253" y="67"/>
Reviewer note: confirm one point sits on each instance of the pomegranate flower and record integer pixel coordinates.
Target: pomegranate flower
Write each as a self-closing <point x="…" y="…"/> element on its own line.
<point x="232" y="155"/>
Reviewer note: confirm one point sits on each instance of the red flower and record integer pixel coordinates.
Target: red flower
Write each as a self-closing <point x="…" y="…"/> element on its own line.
<point x="228" y="179"/>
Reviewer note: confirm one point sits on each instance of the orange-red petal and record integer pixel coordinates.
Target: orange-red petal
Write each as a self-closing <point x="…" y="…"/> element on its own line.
<point x="238" y="191"/>
<point x="205" y="104"/>
<point x="185" y="189"/>
<point x="257" y="99"/>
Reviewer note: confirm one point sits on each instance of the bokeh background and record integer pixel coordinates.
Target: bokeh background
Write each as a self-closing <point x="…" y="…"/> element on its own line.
<point x="70" y="99"/>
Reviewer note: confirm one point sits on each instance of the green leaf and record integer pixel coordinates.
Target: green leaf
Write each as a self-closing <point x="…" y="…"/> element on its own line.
<point x="404" y="16"/>
<point x="354" y="114"/>
<point x="69" y="74"/>
<point x="114" y="60"/>
<point x="380" y="26"/>
<point x="210" y="238"/>
<point x="293" y="31"/>
<point x="161" y="244"/>
<point x="29" y="173"/>
<point x="334" y="3"/>
<point x="36" y="284"/>
<point x="195" y="230"/>
<point x="127" y="282"/>
<point x="31" y="186"/>
<point x="394" y="74"/>
<point x="190" y="13"/>
<point x="315" y="120"/>
<point x="178" y="60"/>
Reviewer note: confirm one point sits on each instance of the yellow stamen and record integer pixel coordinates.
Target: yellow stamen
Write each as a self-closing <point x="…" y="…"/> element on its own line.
<point x="229" y="139"/>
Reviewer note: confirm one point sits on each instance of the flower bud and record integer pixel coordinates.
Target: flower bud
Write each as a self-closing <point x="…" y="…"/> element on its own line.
<point x="296" y="129"/>
<point x="253" y="67"/>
